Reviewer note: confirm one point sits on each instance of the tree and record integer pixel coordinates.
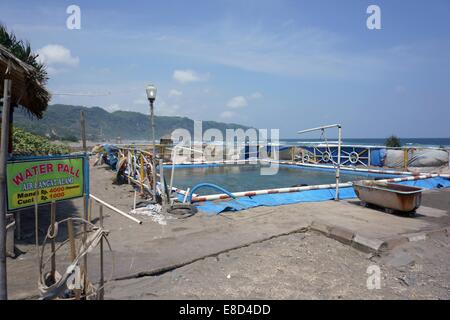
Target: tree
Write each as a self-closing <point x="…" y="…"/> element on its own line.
<point x="27" y="72"/>
<point x="22" y="51"/>
<point x="393" y="142"/>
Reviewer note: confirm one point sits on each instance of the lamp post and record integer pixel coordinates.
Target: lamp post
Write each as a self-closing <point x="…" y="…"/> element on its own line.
<point x="151" y="95"/>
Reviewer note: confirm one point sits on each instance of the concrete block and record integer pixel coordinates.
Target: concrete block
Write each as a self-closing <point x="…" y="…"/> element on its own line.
<point x="436" y="232"/>
<point x="342" y="235"/>
<point x="320" y="227"/>
<point x="393" y="242"/>
<point x="366" y="244"/>
<point x="419" y="236"/>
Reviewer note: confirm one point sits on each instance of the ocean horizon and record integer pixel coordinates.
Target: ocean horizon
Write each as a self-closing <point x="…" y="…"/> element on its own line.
<point x="405" y="142"/>
<point x="419" y="142"/>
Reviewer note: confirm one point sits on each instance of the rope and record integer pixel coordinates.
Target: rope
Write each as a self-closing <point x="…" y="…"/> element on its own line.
<point x="55" y="232"/>
<point x="72" y="273"/>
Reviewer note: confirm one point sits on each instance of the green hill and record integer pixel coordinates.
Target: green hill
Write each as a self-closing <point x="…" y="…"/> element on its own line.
<point x="63" y="122"/>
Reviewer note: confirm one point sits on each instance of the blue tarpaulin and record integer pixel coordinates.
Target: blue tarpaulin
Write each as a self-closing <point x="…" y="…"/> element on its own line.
<point x="270" y="200"/>
<point x="377" y="157"/>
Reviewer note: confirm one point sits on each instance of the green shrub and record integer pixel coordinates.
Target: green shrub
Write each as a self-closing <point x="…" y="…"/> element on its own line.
<point x="27" y="144"/>
<point x="393" y="142"/>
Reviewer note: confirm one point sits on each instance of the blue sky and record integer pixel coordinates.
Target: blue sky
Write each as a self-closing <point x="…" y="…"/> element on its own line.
<point x="269" y="64"/>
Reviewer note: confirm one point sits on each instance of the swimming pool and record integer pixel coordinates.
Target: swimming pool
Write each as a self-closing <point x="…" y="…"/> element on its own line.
<point x="244" y="177"/>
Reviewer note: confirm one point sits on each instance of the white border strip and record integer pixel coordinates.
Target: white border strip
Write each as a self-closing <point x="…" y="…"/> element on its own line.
<point x="344" y="168"/>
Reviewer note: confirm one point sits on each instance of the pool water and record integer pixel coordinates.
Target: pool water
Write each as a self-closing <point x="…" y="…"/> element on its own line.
<point x="236" y="178"/>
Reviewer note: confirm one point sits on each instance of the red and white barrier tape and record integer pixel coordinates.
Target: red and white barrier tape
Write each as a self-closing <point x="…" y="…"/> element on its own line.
<point x="305" y="188"/>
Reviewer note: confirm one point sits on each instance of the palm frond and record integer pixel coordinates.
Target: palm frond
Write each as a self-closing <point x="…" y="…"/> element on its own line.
<point x="32" y="95"/>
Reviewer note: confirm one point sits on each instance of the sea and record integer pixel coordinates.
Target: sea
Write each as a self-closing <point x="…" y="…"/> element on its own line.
<point x="405" y="142"/>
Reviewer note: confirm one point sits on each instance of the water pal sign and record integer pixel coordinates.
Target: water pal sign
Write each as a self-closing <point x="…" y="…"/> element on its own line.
<point x="52" y="179"/>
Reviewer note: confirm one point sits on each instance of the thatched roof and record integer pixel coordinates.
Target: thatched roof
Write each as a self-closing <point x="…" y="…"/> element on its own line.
<point x="26" y="90"/>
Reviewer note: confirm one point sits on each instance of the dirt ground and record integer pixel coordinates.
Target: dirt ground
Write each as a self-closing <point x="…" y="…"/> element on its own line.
<point x="262" y="253"/>
<point x="301" y="266"/>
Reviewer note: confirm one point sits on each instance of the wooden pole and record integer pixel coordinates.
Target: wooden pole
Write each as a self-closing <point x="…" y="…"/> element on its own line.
<point x="83" y="130"/>
<point x="36" y="224"/>
<point x="18" y="225"/>
<point x="85" y="200"/>
<point x="405" y="159"/>
<point x="115" y="209"/>
<point x="3" y="200"/>
<point x="101" y="292"/>
<point x="85" y="261"/>
<point x="91" y="209"/>
<point x="73" y="249"/>
<point x="142" y="173"/>
<point x="53" y="244"/>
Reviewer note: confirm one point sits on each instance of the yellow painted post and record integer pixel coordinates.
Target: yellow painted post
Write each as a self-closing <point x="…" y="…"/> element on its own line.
<point x="142" y="173"/>
<point x="405" y="159"/>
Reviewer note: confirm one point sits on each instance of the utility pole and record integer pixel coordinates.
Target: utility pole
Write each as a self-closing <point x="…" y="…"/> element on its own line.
<point x="3" y="200"/>
<point x="83" y="130"/>
<point x="85" y="200"/>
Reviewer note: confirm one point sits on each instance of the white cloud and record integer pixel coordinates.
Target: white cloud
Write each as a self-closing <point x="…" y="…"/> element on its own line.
<point x="237" y="102"/>
<point x="187" y="76"/>
<point x="227" y="114"/>
<point x="292" y="52"/>
<point x="55" y="54"/>
<point x="175" y="93"/>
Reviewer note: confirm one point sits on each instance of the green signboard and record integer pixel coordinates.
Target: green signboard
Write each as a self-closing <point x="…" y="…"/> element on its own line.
<point x="52" y="179"/>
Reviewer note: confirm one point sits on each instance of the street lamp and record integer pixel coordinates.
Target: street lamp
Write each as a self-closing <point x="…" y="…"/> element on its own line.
<point x="151" y="95"/>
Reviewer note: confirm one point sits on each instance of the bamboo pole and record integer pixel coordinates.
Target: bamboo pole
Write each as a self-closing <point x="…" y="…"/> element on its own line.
<point x="101" y="292"/>
<point x="83" y="130"/>
<point x="405" y="159"/>
<point x="3" y="200"/>
<point x="85" y="261"/>
<point x="115" y="209"/>
<point x="36" y="225"/>
<point x="53" y="244"/>
<point x="73" y="250"/>
<point x="142" y="173"/>
<point x="85" y="200"/>
<point x="91" y="210"/>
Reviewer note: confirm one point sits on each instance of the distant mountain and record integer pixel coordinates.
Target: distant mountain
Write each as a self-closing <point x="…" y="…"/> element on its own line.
<point x="63" y="122"/>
